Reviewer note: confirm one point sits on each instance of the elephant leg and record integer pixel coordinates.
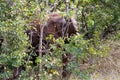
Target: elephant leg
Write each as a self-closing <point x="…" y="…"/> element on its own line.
<point x="65" y="60"/>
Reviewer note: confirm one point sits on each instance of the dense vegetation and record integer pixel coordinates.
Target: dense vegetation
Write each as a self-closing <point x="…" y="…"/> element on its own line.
<point x="98" y="21"/>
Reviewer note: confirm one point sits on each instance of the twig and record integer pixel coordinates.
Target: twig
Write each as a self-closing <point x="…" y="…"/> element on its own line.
<point x="40" y="49"/>
<point x="67" y="6"/>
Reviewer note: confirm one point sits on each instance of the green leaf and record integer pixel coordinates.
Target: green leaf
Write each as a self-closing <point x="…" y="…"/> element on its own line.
<point x="52" y="1"/>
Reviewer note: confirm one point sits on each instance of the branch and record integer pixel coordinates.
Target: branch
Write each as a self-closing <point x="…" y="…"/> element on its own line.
<point x="67" y="7"/>
<point x="84" y="23"/>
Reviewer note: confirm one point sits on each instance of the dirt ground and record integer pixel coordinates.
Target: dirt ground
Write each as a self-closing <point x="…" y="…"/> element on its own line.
<point x="108" y="68"/>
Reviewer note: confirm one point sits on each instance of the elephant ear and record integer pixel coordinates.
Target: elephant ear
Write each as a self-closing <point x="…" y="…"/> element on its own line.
<point x="74" y="23"/>
<point x="72" y="27"/>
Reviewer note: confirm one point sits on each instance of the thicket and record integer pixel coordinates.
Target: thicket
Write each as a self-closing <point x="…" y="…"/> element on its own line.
<point x="98" y="21"/>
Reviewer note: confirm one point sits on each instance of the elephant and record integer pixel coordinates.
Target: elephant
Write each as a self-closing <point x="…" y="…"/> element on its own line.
<point x="58" y="27"/>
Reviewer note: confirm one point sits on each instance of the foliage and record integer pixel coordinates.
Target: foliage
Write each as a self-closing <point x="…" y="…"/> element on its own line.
<point x="98" y="20"/>
<point x="14" y="42"/>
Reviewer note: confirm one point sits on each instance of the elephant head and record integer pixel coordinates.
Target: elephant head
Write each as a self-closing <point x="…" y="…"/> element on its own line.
<point x="56" y="25"/>
<point x="61" y="27"/>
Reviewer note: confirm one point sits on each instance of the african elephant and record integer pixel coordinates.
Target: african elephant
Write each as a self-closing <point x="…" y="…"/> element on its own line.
<point x="58" y="27"/>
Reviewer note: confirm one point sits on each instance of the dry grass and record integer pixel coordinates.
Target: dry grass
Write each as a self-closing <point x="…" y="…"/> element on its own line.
<point x="105" y="68"/>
